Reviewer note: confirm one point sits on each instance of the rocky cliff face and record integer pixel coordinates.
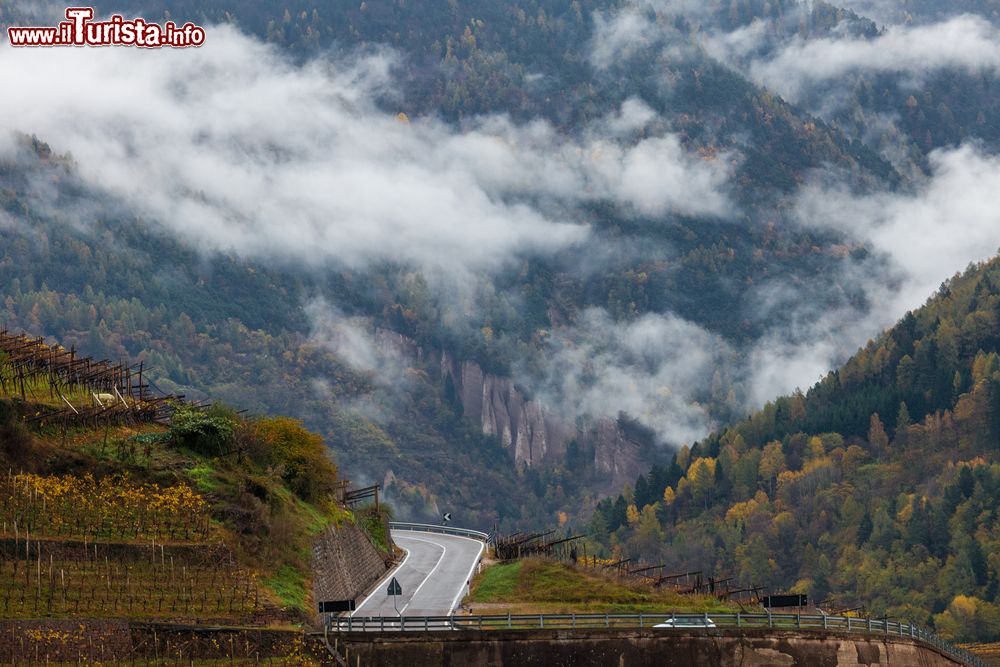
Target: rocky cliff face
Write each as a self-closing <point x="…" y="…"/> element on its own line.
<point x="533" y="434"/>
<point x="394" y="345"/>
<point x="615" y="455"/>
<point x="524" y="427"/>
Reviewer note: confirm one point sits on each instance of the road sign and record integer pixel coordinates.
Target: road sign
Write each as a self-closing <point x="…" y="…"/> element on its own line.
<point x="772" y="601"/>
<point x="394" y="588"/>
<point x="447" y="517"/>
<point x="335" y="606"/>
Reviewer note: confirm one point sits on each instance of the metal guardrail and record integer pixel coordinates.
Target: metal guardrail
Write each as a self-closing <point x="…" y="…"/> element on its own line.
<point x="704" y="623"/>
<point x="446" y="530"/>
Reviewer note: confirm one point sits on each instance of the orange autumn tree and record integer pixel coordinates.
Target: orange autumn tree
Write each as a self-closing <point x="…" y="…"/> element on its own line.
<point x="305" y="459"/>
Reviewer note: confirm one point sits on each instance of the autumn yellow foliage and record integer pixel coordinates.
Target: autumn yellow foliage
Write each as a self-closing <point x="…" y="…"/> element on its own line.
<point x="109" y="506"/>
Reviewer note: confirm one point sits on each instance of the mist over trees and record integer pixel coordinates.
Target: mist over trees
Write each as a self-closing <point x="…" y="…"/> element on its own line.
<point x="818" y="493"/>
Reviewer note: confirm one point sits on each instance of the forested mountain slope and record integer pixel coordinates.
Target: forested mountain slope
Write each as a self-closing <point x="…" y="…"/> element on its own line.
<point x="221" y="327"/>
<point x="878" y="487"/>
<point x="623" y="261"/>
<point x="536" y="59"/>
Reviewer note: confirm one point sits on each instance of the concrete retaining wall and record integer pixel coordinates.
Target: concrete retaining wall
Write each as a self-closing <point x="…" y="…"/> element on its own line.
<point x="642" y="648"/>
<point x="345" y="563"/>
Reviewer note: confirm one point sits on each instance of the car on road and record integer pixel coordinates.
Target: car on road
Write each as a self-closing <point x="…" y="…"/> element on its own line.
<point x="686" y="622"/>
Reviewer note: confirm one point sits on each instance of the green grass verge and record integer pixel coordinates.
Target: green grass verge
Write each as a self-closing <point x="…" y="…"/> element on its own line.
<point x="538" y="585"/>
<point x="498" y="583"/>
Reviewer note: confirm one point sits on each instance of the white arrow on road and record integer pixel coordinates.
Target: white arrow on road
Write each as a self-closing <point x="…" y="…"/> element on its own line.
<point x="433" y="576"/>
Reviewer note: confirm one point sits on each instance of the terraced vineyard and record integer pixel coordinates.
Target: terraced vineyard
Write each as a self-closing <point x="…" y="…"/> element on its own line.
<point x="112" y="507"/>
<point x="60" y="557"/>
<point x="66" y="389"/>
<point x="130" y="554"/>
<point x="132" y="536"/>
<point x="76" y="549"/>
<point x="58" y="579"/>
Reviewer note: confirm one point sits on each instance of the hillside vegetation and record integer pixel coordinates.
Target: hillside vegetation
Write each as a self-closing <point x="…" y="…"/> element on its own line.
<point x="207" y="520"/>
<point x="877" y="487"/>
<point x="171" y="488"/>
<point x="537" y="585"/>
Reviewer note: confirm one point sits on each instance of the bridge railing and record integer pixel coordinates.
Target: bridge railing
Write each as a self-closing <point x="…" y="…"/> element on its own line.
<point x="688" y="622"/>
<point x="446" y="530"/>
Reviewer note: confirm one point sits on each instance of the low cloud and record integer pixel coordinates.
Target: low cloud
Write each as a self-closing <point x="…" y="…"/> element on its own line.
<point x="620" y="36"/>
<point x="919" y="237"/>
<point x="640" y="28"/>
<point x="355" y="341"/>
<point x="950" y="221"/>
<point x="919" y="240"/>
<point x="816" y="336"/>
<point x="791" y="66"/>
<point x="654" y="368"/>
<point x="236" y="148"/>
<point x="967" y="42"/>
<point x="348" y="337"/>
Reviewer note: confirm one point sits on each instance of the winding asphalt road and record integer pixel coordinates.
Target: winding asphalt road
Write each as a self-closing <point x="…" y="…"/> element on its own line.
<point x="434" y="576"/>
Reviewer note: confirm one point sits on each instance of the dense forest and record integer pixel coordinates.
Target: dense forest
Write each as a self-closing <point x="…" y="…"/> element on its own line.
<point x="876" y="487"/>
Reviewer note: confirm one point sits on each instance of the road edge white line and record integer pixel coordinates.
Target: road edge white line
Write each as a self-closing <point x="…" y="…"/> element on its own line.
<point x="444" y="552"/>
<point x="385" y="578"/>
<point x="468" y="578"/>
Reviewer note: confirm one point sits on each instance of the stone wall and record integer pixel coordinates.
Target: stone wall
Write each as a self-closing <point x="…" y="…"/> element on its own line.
<point x="122" y="642"/>
<point x="345" y="563"/>
<point x="643" y="648"/>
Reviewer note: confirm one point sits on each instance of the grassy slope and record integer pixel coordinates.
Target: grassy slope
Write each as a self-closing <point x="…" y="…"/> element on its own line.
<point x="542" y="586"/>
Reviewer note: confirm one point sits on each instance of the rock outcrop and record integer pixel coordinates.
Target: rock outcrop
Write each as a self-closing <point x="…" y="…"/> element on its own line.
<point x="615" y="455"/>
<point x="532" y="433"/>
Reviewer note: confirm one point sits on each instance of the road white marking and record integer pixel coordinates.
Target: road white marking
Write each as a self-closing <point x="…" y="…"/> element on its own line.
<point x="462" y="586"/>
<point x="385" y="579"/>
<point x="468" y="578"/>
<point x="444" y="552"/>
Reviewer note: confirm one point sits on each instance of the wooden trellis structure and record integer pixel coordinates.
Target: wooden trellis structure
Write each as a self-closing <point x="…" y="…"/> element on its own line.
<point x="526" y="544"/>
<point x="120" y="393"/>
<point x="353" y="497"/>
<point x="522" y="545"/>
